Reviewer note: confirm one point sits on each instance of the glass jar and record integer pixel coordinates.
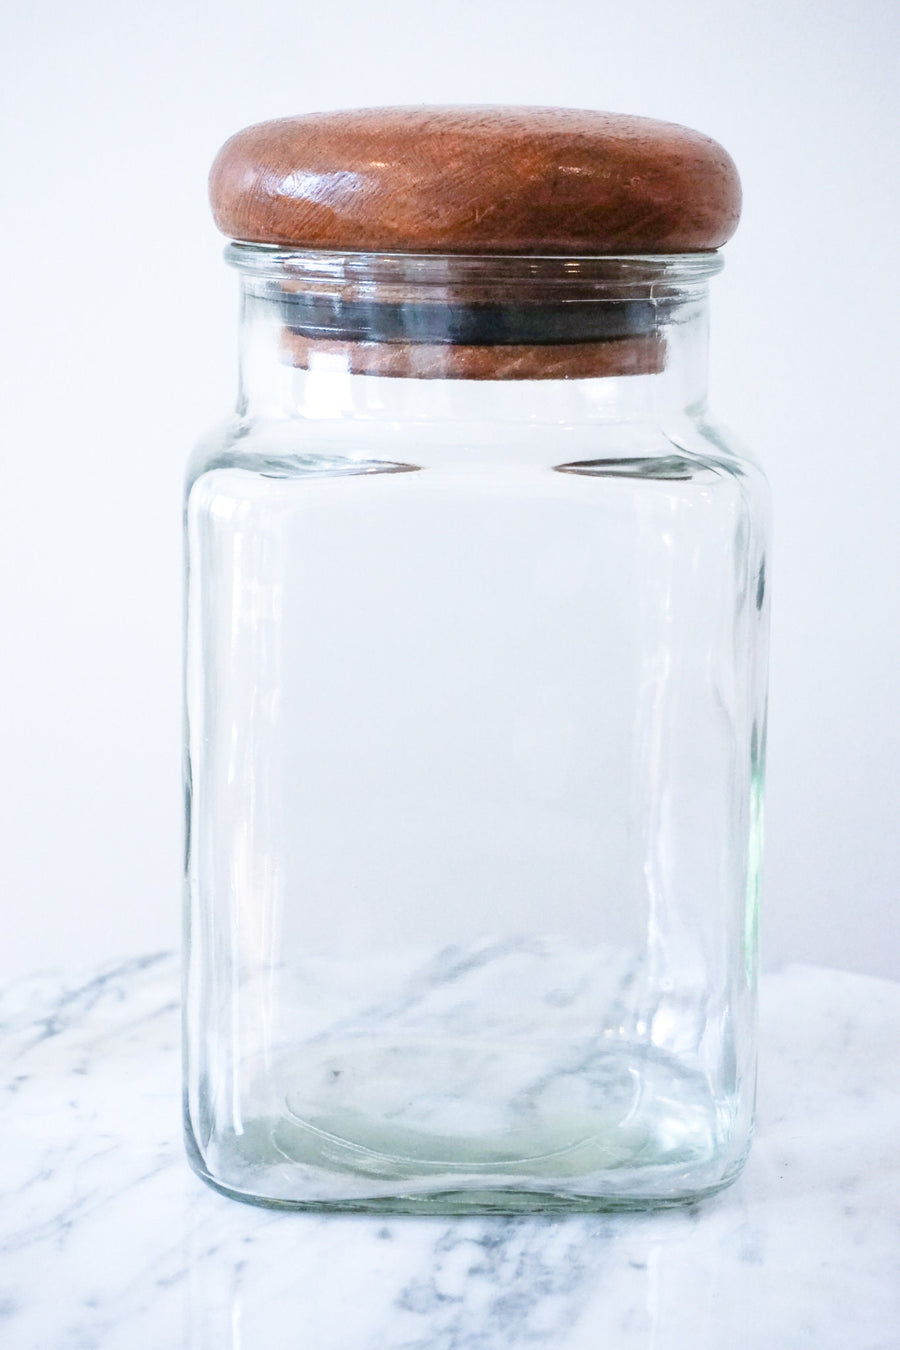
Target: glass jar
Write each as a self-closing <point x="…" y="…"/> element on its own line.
<point x="476" y="729"/>
<point x="476" y="617"/>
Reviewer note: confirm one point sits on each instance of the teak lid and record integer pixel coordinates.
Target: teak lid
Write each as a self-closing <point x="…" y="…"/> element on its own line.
<point x="490" y="182"/>
<point x="476" y="180"/>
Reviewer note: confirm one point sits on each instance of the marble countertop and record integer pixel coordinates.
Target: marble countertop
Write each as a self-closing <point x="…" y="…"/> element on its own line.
<point x="108" y="1240"/>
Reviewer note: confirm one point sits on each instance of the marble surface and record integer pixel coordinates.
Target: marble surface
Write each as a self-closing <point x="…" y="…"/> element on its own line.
<point x="107" y="1240"/>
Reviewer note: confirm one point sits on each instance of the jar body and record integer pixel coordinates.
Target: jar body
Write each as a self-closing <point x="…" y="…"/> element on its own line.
<point x="476" y="721"/>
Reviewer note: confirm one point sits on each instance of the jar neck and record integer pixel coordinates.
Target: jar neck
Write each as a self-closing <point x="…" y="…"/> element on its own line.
<point x="427" y="337"/>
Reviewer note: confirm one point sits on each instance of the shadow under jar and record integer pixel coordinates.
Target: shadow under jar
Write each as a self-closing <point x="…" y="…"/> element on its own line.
<point x="475" y="731"/>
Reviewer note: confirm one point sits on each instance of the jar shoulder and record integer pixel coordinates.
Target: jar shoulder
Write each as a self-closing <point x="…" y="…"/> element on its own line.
<point x="710" y="439"/>
<point x="715" y="445"/>
<point x="300" y="447"/>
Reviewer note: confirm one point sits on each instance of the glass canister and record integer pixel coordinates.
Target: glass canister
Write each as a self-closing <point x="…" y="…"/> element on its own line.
<point x="475" y="676"/>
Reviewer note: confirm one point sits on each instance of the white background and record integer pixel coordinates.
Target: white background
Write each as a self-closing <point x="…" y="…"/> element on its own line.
<point x="118" y="323"/>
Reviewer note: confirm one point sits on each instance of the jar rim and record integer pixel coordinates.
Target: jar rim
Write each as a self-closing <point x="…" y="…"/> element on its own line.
<point x="475" y="316"/>
<point x="672" y="272"/>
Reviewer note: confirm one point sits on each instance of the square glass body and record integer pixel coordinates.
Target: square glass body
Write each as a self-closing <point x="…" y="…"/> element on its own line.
<point x="475" y="741"/>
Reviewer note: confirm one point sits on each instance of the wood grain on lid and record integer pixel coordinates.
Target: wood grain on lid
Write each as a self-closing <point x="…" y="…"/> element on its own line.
<point x="424" y="361"/>
<point x="476" y="180"/>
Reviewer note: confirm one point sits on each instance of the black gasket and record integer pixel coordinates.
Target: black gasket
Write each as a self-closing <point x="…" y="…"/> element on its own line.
<point x="315" y="315"/>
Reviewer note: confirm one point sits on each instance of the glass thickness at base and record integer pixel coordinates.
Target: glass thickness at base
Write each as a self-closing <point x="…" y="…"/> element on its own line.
<point x="495" y="1128"/>
<point x="498" y="1202"/>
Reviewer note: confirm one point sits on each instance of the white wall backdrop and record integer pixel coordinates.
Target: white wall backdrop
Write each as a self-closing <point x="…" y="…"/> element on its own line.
<point x="118" y="323"/>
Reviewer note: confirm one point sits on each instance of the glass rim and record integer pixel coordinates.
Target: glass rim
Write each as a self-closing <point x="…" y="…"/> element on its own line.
<point x="675" y="272"/>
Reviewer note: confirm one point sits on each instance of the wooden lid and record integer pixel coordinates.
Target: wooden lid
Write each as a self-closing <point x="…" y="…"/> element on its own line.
<point x="476" y="180"/>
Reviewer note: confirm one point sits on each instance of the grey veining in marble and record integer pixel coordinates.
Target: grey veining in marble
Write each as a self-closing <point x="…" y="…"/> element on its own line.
<point x="107" y="1240"/>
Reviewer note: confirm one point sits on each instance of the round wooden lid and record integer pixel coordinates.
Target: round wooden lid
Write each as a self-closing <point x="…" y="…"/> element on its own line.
<point x="476" y="180"/>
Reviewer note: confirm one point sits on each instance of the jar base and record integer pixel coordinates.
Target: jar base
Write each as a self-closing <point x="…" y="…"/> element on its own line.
<point x="633" y="1129"/>
<point x="470" y="1203"/>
